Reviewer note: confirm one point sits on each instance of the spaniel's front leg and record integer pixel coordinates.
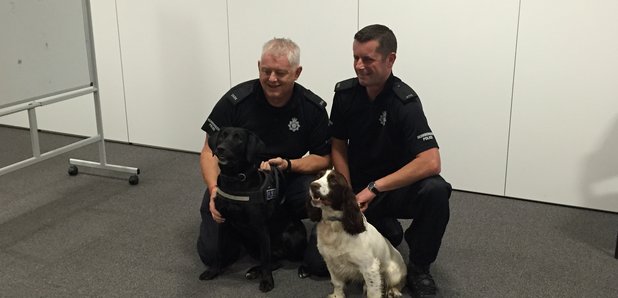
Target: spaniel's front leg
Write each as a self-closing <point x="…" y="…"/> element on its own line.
<point x="338" y="284"/>
<point x="373" y="280"/>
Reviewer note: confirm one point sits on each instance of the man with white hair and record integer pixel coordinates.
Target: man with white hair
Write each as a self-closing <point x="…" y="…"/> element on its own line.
<point x="293" y="124"/>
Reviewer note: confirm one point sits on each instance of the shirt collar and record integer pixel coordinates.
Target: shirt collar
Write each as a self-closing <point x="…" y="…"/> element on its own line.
<point x="291" y="104"/>
<point x="388" y="88"/>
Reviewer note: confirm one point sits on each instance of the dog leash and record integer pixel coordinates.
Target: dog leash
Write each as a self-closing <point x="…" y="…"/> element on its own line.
<point x="276" y="173"/>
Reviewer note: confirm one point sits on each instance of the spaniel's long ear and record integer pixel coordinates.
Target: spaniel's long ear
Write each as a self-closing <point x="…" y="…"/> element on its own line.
<point x="212" y="141"/>
<point x="314" y="213"/>
<point x="352" y="216"/>
<point x="255" y="147"/>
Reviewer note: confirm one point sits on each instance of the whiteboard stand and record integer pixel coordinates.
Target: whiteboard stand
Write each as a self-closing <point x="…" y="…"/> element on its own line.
<point x="102" y="164"/>
<point x="37" y="156"/>
<point x="14" y="104"/>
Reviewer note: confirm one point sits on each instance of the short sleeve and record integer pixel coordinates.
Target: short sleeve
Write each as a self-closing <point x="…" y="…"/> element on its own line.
<point x="220" y="116"/>
<point x="417" y="132"/>
<point x="320" y="136"/>
<point x="337" y="126"/>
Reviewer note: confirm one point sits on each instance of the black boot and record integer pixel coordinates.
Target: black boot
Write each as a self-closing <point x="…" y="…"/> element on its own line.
<point x="420" y="281"/>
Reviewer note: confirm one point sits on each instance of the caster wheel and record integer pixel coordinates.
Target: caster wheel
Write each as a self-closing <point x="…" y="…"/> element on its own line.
<point x="73" y="170"/>
<point x="133" y="180"/>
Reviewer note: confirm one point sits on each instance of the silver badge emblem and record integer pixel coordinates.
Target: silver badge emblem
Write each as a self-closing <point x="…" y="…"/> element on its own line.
<point x="294" y="125"/>
<point x="383" y="118"/>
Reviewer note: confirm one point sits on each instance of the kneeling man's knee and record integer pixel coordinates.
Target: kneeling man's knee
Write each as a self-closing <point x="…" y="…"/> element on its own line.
<point x="437" y="190"/>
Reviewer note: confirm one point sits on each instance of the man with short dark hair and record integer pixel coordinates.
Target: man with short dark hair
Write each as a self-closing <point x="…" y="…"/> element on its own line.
<point x="382" y="143"/>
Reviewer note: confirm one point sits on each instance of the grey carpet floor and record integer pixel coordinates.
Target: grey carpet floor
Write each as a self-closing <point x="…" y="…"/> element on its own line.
<point x="95" y="235"/>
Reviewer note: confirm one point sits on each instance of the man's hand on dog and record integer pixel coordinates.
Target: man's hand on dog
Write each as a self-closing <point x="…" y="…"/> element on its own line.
<point x="215" y="214"/>
<point x="278" y="162"/>
<point x="364" y="198"/>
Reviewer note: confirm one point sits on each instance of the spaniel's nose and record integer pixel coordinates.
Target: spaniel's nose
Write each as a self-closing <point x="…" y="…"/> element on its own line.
<point x="315" y="188"/>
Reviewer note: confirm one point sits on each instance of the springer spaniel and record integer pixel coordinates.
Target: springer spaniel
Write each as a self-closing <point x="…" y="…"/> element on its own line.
<point x="352" y="248"/>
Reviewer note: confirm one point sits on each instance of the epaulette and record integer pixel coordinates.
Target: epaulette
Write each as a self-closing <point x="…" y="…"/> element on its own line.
<point x="404" y="92"/>
<point x="240" y="92"/>
<point x="346" y="84"/>
<point x="312" y="97"/>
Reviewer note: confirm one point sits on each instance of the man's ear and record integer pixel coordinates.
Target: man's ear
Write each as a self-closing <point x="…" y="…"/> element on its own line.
<point x="391" y="59"/>
<point x="297" y="72"/>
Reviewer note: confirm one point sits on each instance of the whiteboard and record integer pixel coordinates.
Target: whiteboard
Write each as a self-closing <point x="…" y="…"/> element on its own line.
<point x="44" y="49"/>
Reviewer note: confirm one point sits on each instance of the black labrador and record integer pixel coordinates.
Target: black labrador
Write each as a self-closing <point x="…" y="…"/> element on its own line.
<point x="247" y="198"/>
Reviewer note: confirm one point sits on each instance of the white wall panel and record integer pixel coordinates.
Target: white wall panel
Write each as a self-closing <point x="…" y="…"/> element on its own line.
<point x="323" y="29"/>
<point x="109" y="69"/>
<point x="459" y="57"/>
<point x="564" y="136"/>
<point x="176" y="66"/>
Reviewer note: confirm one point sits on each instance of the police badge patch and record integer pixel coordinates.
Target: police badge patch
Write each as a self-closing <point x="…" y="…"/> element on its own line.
<point x="294" y="125"/>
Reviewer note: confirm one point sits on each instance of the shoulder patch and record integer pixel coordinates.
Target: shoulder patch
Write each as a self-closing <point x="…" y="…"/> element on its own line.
<point x="404" y="92"/>
<point x="346" y="84"/>
<point x="312" y="97"/>
<point x="240" y="92"/>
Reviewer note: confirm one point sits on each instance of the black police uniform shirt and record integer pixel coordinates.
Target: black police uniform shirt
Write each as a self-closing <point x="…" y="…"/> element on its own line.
<point x="290" y="131"/>
<point x="383" y="135"/>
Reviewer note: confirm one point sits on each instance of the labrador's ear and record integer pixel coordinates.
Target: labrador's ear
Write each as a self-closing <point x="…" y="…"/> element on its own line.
<point x="212" y="141"/>
<point x="255" y="146"/>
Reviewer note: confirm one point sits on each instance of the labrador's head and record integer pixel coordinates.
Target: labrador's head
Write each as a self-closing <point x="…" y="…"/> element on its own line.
<point x="237" y="149"/>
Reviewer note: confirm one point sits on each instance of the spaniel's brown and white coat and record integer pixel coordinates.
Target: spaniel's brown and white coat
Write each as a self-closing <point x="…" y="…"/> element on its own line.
<point x="352" y="248"/>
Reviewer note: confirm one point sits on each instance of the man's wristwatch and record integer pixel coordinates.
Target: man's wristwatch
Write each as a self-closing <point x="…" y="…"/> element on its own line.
<point x="372" y="187"/>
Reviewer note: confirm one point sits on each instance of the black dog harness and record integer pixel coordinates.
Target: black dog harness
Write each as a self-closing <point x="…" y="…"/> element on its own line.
<point x="268" y="190"/>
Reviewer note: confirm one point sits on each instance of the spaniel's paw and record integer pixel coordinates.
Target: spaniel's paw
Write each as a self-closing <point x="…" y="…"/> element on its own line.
<point x="393" y="293"/>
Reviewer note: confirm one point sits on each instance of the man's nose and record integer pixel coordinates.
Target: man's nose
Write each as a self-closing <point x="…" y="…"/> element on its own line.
<point x="272" y="77"/>
<point x="359" y="64"/>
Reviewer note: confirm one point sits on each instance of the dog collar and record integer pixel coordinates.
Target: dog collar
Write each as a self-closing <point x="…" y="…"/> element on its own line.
<point x="334" y="218"/>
